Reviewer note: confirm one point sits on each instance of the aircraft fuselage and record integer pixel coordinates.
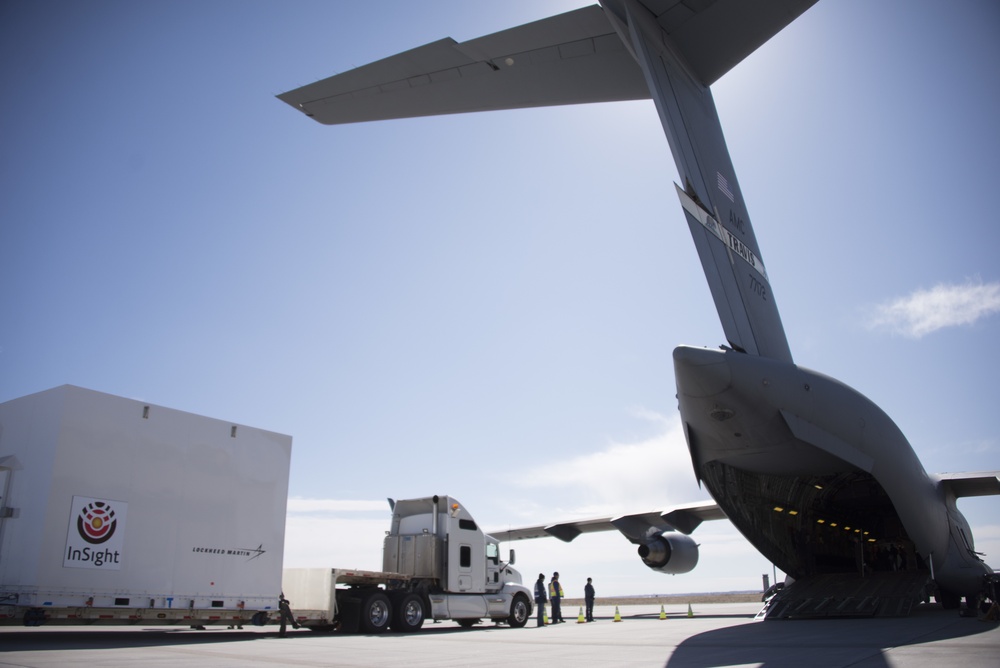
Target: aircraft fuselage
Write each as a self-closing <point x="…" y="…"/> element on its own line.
<point x="814" y="474"/>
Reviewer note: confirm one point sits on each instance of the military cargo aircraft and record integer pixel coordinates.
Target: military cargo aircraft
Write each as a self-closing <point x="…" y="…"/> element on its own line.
<point x="816" y="476"/>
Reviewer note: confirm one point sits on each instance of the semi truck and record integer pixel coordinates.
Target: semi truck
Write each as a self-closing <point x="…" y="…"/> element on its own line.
<point x="118" y="511"/>
<point x="437" y="563"/>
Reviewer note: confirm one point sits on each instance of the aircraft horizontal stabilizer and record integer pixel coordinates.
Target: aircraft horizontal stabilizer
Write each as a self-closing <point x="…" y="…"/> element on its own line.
<point x="571" y="58"/>
<point x="717" y="35"/>
<point x="637" y="528"/>
<point x="983" y="483"/>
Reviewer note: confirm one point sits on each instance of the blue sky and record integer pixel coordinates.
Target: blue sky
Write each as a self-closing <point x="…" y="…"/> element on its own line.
<point x="485" y="305"/>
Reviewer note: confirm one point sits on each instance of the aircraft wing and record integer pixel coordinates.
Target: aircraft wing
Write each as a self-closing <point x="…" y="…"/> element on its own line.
<point x="637" y="528"/>
<point x="983" y="483"/>
<point x="571" y="58"/>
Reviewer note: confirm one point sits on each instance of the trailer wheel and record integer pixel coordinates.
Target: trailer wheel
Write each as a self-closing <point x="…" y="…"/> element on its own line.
<point x="376" y="611"/>
<point x="519" y="611"/>
<point x="408" y="615"/>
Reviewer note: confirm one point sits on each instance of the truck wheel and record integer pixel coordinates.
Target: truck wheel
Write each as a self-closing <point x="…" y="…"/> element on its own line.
<point x="408" y="615"/>
<point x="376" y="611"/>
<point x="519" y="611"/>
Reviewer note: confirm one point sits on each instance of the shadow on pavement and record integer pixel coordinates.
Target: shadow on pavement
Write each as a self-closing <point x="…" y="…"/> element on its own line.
<point x="137" y="637"/>
<point x="822" y="642"/>
<point x="104" y="638"/>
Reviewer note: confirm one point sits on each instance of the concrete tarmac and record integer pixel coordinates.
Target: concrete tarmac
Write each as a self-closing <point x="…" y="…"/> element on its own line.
<point x="716" y="635"/>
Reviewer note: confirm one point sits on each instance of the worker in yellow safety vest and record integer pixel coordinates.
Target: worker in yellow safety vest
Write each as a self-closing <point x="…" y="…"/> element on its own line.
<point x="555" y="597"/>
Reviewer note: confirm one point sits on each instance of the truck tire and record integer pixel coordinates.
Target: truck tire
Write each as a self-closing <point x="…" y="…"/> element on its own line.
<point x="520" y="610"/>
<point x="376" y="611"/>
<point x="408" y="614"/>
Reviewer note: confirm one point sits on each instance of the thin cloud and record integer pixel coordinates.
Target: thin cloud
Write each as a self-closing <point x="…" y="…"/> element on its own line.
<point x="927" y="311"/>
<point x="300" y="505"/>
<point x="623" y="477"/>
<point x="318" y="541"/>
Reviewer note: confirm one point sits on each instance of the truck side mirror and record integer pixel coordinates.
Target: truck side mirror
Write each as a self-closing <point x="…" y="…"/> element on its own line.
<point x="511" y="560"/>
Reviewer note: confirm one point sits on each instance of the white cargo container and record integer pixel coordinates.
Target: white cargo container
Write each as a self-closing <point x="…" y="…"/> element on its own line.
<point x="118" y="511"/>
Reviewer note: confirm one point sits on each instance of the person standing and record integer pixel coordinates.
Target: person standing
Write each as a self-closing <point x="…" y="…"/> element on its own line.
<point x="588" y="598"/>
<point x="286" y="615"/>
<point x="555" y="596"/>
<point x="540" y="598"/>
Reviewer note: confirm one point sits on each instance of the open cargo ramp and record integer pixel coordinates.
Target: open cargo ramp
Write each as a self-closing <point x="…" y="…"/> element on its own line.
<point x="849" y="595"/>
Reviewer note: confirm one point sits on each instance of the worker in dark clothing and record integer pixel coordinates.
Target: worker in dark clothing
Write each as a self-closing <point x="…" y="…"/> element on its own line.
<point x="555" y="595"/>
<point x="286" y="616"/>
<point x="588" y="598"/>
<point x="540" y="598"/>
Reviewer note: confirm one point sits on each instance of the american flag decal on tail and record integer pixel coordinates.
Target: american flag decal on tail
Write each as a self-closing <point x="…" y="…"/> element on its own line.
<point x="724" y="187"/>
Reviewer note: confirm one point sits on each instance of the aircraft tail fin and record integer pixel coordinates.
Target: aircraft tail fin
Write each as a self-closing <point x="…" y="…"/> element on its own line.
<point x="711" y="197"/>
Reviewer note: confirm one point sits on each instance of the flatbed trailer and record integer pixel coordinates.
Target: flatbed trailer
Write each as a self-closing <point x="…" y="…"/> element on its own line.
<point x="323" y="599"/>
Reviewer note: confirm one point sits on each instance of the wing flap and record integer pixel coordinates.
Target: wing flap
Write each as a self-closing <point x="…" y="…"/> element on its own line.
<point x="686" y="520"/>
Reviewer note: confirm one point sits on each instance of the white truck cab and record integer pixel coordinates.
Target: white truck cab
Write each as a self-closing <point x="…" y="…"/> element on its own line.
<point x="453" y="563"/>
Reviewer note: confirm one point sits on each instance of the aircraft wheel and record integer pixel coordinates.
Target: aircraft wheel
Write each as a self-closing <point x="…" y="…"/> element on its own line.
<point x="972" y="603"/>
<point x="948" y="600"/>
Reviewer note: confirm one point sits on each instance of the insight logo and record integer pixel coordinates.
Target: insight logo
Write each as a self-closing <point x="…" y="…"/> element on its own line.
<point x="96" y="522"/>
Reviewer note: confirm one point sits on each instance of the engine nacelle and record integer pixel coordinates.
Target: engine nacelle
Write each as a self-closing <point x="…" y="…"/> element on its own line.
<point x="670" y="552"/>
